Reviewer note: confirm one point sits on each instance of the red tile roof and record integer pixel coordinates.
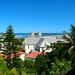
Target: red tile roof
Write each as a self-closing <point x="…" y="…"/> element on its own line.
<point x="12" y="55"/>
<point x="33" y="55"/>
<point x="19" y="53"/>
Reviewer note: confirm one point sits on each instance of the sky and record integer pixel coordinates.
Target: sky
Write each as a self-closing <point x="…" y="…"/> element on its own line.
<point x="51" y="16"/>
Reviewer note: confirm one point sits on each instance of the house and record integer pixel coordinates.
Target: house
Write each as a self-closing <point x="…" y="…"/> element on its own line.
<point x="40" y="43"/>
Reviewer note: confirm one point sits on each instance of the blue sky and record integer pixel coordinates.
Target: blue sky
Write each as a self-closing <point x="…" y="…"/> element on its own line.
<point x="53" y="16"/>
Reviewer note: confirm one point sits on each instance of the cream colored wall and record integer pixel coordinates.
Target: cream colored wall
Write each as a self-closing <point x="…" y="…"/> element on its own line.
<point x="31" y="47"/>
<point x="28" y="48"/>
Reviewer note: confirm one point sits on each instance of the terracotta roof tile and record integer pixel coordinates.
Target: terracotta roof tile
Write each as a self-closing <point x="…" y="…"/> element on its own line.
<point x="33" y="55"/>
<point x="12" y="55"/>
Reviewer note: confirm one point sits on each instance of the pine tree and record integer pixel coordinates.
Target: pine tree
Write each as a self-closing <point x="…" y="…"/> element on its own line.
<point x="9" y="38"/>
<point x="10" y="45"/>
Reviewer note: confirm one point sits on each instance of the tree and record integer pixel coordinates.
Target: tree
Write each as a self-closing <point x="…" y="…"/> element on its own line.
<point x="10" y="44"/>
<point x="3" y="66"/>
<point x="19" y="41"/>
<point x="41" y="64"/>
<point x="71" y="39"/>
<point x="29" y="67"/>
<point x="60" y="50"/>
<point x="60" y="67"/>
<point x="9" y="38"/>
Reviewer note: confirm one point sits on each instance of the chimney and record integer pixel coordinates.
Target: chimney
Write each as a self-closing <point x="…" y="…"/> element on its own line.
<point x="39" y="34"/>
<point x="32" y="34"/>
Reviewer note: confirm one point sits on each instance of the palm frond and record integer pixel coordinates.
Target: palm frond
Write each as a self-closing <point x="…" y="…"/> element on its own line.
<point x="70" y="49"/>
<point x="68" y="37"/>
<point x="73" y="30"/>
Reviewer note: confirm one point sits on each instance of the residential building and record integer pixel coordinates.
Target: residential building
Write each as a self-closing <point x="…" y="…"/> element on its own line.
<point x="40" y="43"/>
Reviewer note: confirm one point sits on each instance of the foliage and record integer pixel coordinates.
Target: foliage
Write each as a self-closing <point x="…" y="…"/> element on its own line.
<point x="57" y="62"/>
<point x="24" y="67"/>
<point x="41" y="64"/>
<point x="14" y="71"/>
<point x="9" y="38"/>
<point x="3" y="66"/>
<point x="59" y="67"/>
<point x="51" y="63"/>
<point x="19" y="41"/>
<point x="17" y="49"/>
<point x="18" y="63"/>
<point x="10" y="45"/>
<point x="60" y="50"/>
<point x="21" y="67"/>
<point x="71" y="38"/>
<point x="71" y="72"/>
<point x="29" y="67"/>
<point x="15" y="65"/>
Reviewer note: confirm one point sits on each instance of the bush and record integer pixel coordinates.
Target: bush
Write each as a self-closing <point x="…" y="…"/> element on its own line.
<point x="60" y="67"/>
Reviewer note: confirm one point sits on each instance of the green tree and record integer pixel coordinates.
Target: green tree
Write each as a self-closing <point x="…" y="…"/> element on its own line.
<point x="3" y="66"/>
<point x="41" y="64"/>
<point x="19" y="41"/>
<point x="71" y="39"/>
<point x="9" y="39"/>
<point x="60" y="50"/>
<point x="29" y="67"/>
<point x="10" y="44"/>
<point x="60" y="67"/>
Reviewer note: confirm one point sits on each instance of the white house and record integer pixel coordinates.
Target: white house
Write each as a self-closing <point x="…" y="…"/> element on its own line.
<point x="40" y="43"/>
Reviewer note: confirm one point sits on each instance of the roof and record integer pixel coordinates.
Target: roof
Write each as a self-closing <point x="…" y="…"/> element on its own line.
<point x="51" y="39"/>
<point x="34" y="41"/>
<point x="12" y="55"/>
<point x="31" y="41"/>
<point x="42" y="42"/>
<point x="20" y="52"/>
<point x="33" y="55"/>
